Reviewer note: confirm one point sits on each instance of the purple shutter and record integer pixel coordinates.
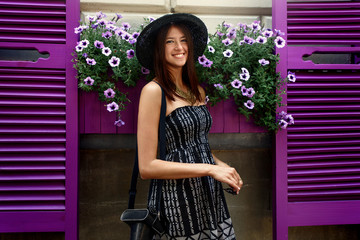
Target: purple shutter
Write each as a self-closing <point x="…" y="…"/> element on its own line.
<point x="38" y="118"/>
<point x="317" y="176"/>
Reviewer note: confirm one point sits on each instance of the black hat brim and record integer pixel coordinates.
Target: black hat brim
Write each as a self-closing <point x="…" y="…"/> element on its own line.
<point x="146" y="40"/>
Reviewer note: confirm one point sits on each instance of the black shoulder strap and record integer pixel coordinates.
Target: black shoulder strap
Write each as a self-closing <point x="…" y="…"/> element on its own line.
<point x="161" y="143"/>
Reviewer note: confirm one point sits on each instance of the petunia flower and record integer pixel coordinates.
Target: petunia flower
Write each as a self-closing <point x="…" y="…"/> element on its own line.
<point x="220" y="34"/>
<point x="279" y="42"/>
<point x="291" y="76"/>
<point x="78" y="48"/>
<point x="145" y="71"/>
<point x="126" y="36"/>
<point x="89" y="81"/>
<point x="130" y="53"/>
<point x="244" y="76"/>
<point x="90" y="61"/>
<point x="263" y="62"/>
<point x="99" y="44"/>
<point x="119" y="123"/>
<point x="112" y="106"/>
<point x="244" y="70"/>
<point x="118" y="16"/>
<point x="227" y="41"/>
<point x="85" y="55"/>
<point x="84" y="43"/>
<point x="125" y="26"/>
<point x="100" y="15"/>
<point x="249" y="104"/>
<point x="135" y="35"/>
<point x="106" y="34"/>
<point x="289" y="119"/>
<point x="249" y="40"/>
<point x="218" y="86"/>
<point x="109" y="93"/>
<point x="132" y="41"/>
<point x="110" y="27"/>
<point x="250" y="92"/>
<point x="211" y="49"/>
<point x="228" y="53"/>
<point x="244" y="91"/>
<point x="267" y="33"/>
<point x="207" y="99"/>
<point x="227" y="25"/>
<point x="207" y="63"/>
<point x="255" y="26"/>
<point x="261" y="40"/>
<point x="106" y="51"/>
<point x="231" y="34"/>
<point x="101" y="22"/>
<point x="79" y="29"/>
<point x="91" y="18"/>
<point x="114" y="61"/>
<point x="236" y="83"/>
<point x="202" y="59"/>
<point x="283" y="124"/>
<point x="279" y="32"/>
<point x="151" y="19"/>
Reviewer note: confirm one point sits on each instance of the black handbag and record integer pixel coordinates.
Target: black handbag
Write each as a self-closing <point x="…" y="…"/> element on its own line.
<point x="143" y="222"/>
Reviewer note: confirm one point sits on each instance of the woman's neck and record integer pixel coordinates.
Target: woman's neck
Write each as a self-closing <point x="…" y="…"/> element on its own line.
<point x="176" y="73"/>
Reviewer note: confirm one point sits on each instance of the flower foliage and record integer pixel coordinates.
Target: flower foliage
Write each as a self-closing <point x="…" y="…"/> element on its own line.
<point x="240" y="63"/>
<point x="104" y="55"/>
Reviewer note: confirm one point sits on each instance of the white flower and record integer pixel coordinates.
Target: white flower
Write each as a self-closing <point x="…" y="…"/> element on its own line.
<point x="106" y="51"/>
<point x="228" y="53"/>
<point x="279" y="42"/>
<point x="114" y="61"/>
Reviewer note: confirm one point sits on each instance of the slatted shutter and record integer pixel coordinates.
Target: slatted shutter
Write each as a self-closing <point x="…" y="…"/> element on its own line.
<point x="38" y="117"/>
<point x="318" y="158"/>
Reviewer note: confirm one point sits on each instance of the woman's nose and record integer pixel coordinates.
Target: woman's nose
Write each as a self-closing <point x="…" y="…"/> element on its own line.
<point x="178" y="46"/>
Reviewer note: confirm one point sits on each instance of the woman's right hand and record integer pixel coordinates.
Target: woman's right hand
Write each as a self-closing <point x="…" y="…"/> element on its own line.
<point x="227" y="175"/>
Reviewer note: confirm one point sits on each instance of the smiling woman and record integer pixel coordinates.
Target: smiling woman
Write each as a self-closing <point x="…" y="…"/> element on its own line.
<point x="193" y="202"/>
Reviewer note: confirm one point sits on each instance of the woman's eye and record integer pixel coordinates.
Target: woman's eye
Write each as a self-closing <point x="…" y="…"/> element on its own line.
<point x="184" y="40"/>
<point x="169" y="41"/>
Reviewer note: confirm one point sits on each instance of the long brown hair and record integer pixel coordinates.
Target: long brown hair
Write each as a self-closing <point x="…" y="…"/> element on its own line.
<point x="162" y="74"/>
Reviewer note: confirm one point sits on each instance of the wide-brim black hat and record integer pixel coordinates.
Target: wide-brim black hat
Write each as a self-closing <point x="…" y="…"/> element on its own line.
<point x="146" y="40"/>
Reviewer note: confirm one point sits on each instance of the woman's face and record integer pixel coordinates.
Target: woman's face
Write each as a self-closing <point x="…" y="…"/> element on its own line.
<point x="176" y="48"/>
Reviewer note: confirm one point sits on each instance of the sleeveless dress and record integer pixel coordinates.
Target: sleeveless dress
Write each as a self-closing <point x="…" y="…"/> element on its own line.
<point x="191" y="208"/>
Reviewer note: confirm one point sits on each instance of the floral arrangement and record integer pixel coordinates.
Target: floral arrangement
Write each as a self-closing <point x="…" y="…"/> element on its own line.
<point x="239" y="63"/>
<point x="104" y="56"/>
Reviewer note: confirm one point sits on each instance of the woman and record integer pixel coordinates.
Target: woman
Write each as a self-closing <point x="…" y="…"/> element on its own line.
<point x="193" y="204"/>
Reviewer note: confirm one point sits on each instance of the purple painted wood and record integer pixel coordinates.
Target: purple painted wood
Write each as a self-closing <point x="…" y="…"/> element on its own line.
<point x="318" y="158"/>
<point x="38" y="119"/>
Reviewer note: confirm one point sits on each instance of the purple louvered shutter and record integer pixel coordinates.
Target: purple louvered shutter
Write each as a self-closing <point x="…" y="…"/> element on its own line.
<point x="317" y="176"/>
<point x="38" y="117"/>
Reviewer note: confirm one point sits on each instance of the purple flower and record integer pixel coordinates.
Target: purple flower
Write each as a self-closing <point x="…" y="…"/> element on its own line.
<point x="78" y="30"/>
<point x="89" y="81"/>
<point x="109" y="93"/>
<point x="242" y="26"/>
<point x="79" y="48"/>
<point x="261" y="39"/>
<point x="119" y="32"/>
<point x="91" y="18"/>
<point x="202" y="59"/>
<point x="135" y="35"/>
<point x="132" y="41"/>
<point x="279" y="42"/>
<point x="250" y="92"/>
<point x="227" y="25"/>
<point x="85" y="55"/>
<point x="119" y="123"/>
<point x="99" y="44"/>
<point x="101" y="22"/>
<point x="228" y="53"/>
<point x="236" y="83"/>
<point x="94" y="26"/>
<point x="244" y="91"/>
<point x="231" y="34"/>
<point x="291" y="76"/>
<point x="100" y="15"/>
<point x="114" y="61"/>
<point x="126" y="36"/>
<point x="151" y="19"/>
<point x="218" y="86"/>
<point x="145" y="71"/>
<point x="211" y="49"/>
<point x="220" y="34"/>
<point x="207" y="63"/>
<point x="249" y="40"/>
<point x="289" y="119"/>
<point x="263" y="62"/>
<point x="283" y="124"/>
<point x="130" y="53"/>
<point x="227" y="41"/>
<point x="255" y="26"/>
<point x="110" y="27"/>
<point x="84" y="43"/>
<point x="207" y="99"/>
<point x="267" y="33"/>
<point x="244" y="76"/>
<point x="90" y="61"/>
<point x="106" y="51"/>
<point x="282" y="114"/>
<point x="107" y="34"/>
<point x="279" y="33"/>
<point x="244" y="70"/>
<point x="249" y="104"/>
<point x="112" y="106"/>
<point x="118" y="16"/>
<point x="125" y="26"/>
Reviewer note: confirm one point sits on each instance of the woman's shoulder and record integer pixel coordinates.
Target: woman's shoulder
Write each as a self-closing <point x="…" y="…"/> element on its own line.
<point x="151" y="90"/>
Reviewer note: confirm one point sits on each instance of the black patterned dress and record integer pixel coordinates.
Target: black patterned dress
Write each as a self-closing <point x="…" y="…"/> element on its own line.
<point x="192" y="208"/>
